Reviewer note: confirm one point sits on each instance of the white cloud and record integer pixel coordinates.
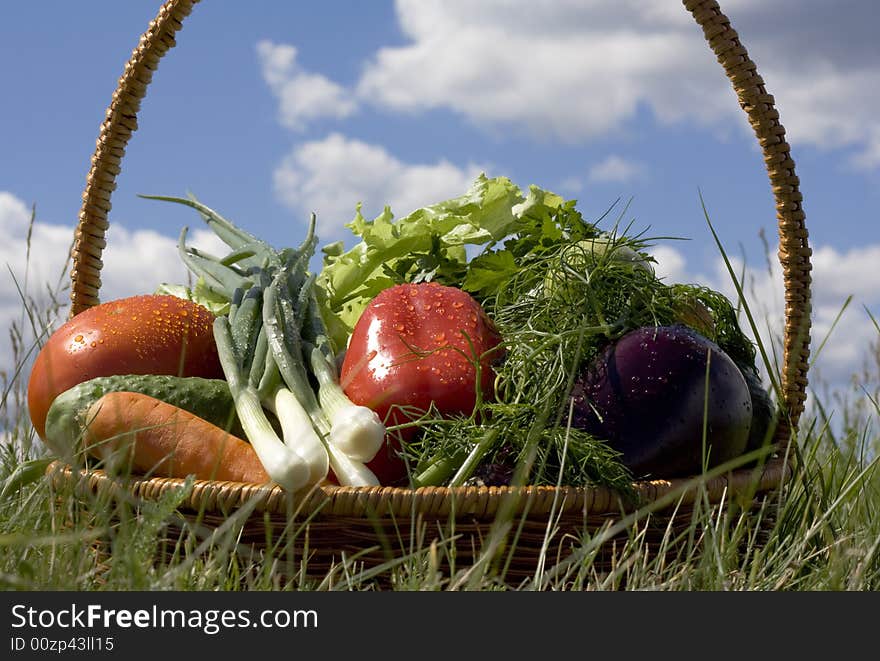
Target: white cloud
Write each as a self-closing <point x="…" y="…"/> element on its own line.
<point x="830" y="108"/>
<point x="869" y="157"/>
<point x="302" y="96"/>
<point x="615" y="169"/>
<point x="670" y="266"/>
<point x="331" y="176"/>
<point x="577" y="70"/>
<point x="13" y="214"/>
<point x="853" y="272"/>
<point x="565" y="69"/>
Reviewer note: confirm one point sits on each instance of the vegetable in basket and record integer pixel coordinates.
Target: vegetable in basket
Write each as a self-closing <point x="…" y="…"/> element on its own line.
<point x="416" y="347"/>
<point x="209" y="399"/>
<point x="139" y="433"/>
<point x="671" y="401"/>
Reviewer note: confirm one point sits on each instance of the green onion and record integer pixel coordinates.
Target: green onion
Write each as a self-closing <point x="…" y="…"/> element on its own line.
<point x="282" y="463"/>
<point x="277" y="357"/>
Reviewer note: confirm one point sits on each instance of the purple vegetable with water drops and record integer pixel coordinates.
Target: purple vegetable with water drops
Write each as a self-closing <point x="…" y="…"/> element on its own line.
<point x="646" y="395"/>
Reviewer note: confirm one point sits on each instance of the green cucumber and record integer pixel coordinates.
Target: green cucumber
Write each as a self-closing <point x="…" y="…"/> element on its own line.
<point x="207" y="398"/>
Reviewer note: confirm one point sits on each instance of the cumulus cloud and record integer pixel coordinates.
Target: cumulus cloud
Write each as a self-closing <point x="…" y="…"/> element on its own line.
<point x="494" y="65"/>
<point x="670" y="264"/>
<point x="823" y="68"/>
<point x="609" y="58"/>
<point x="829" y="108"/>
<point x="302" y="96"/>
<point x="331" y="176"/>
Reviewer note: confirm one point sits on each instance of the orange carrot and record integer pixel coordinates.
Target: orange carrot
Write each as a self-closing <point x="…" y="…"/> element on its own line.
<point x="160" y="439"/>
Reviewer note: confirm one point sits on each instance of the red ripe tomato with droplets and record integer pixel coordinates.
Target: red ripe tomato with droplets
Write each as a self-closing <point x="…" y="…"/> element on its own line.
<point x="146" y="334"/>
<point x="416" y="345"/>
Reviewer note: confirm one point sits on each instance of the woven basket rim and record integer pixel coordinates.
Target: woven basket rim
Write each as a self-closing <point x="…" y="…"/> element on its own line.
<point x="476" y="501"/>
<point x="794" y="256"/>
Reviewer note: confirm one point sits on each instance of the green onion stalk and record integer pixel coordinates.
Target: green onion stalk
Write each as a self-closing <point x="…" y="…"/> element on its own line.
<point x="277" y="357"/>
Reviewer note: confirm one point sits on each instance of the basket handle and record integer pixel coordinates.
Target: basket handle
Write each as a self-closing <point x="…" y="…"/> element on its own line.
<point x="794" y="251"/>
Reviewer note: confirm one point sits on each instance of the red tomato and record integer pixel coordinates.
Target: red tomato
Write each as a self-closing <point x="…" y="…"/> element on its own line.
<point x="148" y="334"/>
<point x="414" y="345"/>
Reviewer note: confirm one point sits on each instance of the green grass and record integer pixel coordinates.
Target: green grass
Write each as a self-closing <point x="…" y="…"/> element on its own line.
<point x="822" y="532"/>
<point x="825" y="537"/>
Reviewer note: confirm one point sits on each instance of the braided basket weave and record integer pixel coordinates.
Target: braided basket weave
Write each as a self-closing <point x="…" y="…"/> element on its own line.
<point x="378" y="523"/>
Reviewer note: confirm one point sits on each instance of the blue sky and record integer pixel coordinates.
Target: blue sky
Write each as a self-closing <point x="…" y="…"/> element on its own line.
<point x="269" y="110"/>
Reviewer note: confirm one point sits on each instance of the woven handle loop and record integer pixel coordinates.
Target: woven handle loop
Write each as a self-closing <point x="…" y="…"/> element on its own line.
<point x="794" y="251"/>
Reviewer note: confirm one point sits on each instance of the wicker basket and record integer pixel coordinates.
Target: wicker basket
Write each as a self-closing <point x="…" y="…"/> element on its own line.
<point x="378" y="524"/>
